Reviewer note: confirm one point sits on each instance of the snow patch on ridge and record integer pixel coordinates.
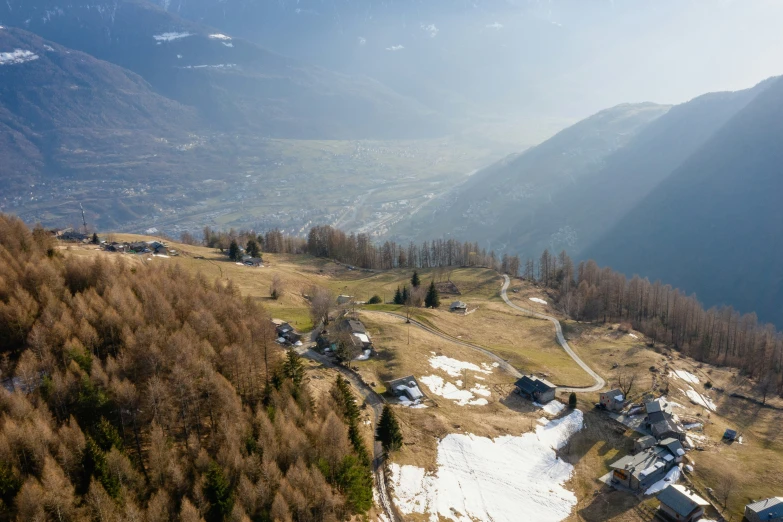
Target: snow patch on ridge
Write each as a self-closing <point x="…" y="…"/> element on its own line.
<point x="17" y="56"/>
<point x="169" y="37"/>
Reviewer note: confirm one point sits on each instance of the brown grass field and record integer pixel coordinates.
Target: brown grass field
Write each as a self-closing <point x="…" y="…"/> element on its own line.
<point x="530" y="346"/>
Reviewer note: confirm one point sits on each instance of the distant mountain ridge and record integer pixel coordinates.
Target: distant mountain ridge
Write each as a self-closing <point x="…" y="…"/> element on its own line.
<point x="232" y="83"/>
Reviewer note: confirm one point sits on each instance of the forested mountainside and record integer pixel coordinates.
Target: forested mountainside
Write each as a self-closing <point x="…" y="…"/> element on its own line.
<point x="232" y="83"/>
<point x="600" y="168"/>
<point x="714" y="225"/>
<point x="502" y="202"/>
<point x="60" y="109"/>
<point x="140" y="393"/>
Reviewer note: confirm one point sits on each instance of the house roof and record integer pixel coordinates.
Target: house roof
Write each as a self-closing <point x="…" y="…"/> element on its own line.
<point x="354" y="326"/>
<point x="612" y="393"/>
<point x="767" y="509"/>
<point x="645" y="462"/>
<point x="730" y="434"/>
<point x="681" y="500"/>
<point x="674" y="446"/>
<point x="530" y="384"/>
<point x="458" y="304"/>
<point x="647" y="441"/>
<point x="664" y="427"/>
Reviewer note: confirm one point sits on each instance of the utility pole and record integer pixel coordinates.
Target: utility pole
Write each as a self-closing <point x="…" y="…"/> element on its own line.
<point x="84" y="219"/>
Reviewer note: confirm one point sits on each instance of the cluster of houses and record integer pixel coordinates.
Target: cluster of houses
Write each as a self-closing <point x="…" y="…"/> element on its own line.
<point x="349" y="330"/>
<point x="286" y="335"/>
<point x="139" y="247"/>
<point x="656" y="454"/>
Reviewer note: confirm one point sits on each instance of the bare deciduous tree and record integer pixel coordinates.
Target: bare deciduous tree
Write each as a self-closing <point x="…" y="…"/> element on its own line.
<point x="626" y="378"/>
<point x="277" y="288"/>
<point x="321" y="303"/>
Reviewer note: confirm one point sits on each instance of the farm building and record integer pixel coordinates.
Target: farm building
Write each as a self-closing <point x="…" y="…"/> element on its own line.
<point x="536" y="389"/>
<point x="612" y="400"/>
<point x="680" y="504"/>
<point x="253" y="261"/>
<point x="645" y="442"/>
<point x="406" y="387"/>
<point x="344" y="299"/>
<point x="643" y="469"/>
<point x="358" y="332"/>
<point x="458" y="306"/>
<point x="286" y="332"/>
<point x="661" y="421"/>
<point x="767" y="510"/>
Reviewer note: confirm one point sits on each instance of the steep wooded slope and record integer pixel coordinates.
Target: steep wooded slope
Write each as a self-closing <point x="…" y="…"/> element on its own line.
<point x="714" y="225"/>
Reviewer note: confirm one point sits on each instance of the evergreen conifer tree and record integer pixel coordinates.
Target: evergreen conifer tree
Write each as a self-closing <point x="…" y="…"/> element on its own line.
<point x="405" y="295"/>
<point x="252" y="248"/>
<point x="432" y="300"/>
<point x="415" y="281"/>
<point x="293" y="368"/>
<point x="388" y="432"/>
<point x="398" y="297"/>
<point x="95" y="239"/>
<point x="219" y="493"/>
<point x="572" y="400"/>
<point x="233" y="251"/>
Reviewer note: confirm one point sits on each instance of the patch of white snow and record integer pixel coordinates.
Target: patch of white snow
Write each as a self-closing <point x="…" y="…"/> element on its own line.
<point x="454" y="367"/>
<point x="448" y="390"/>
<point x="170" y="37"/>
<point x="506" y="479"/>
<point x="685" y="376"/>
<point x="698" y="398"/>
<point x="552" y="407"/>
<point x="671" y="478"/>
<point x="17" y="56"/>
<point x="538" y="300"/>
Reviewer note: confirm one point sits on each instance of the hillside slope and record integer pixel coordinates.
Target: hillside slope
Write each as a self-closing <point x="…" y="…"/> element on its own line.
<point x="713" y="226"/>
<point x="492" y="203"/>
<point x="61" y="108"/>
<point x="233" y="84"/>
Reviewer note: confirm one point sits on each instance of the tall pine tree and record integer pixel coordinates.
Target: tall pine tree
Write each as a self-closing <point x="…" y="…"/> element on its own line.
<point x="405" y="295"/>
<point x="398" y="297"/>
<point x="388" y="432"/>
<point x="415" y="281"/>
<point x="432" y="300"/>
<point x="233" y="251"/>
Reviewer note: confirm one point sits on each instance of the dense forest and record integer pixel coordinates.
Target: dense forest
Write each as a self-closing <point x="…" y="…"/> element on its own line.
<point x="586" y="292"/>
<point x="145" y="394"/>
<point x="720" y="336"/>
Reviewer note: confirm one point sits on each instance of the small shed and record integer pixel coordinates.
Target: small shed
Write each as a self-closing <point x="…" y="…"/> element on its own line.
<point x="536" y="389"/>
<point x="681" y="504"/>
<point x="767" y="510"/>
<point x="730" y="435"/>
<point x="612" y="400"/>
<point x="458" y="306"/>
<point x="675" y="448"/>
<point x="406" y="387"/>
<point x="643" y="443"/>
<point x="253" y="261"/>
<point x="344" y="299"/>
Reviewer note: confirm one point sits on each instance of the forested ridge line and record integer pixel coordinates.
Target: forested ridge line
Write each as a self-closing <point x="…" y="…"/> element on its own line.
<point x="142" y="393"/>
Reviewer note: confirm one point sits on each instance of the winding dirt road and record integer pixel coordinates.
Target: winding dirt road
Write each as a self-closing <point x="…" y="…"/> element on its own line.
<point x="600" y="383"/>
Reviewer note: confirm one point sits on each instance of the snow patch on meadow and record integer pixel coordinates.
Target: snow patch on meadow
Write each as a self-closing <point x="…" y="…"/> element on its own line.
<point x="510" y="478"/>
<point x="448" y="390"/>
<point x="454" y="367"/>
<point x="699" y="399"/>
<point x="552" y="407"/>
<point x="685" y="376"/>
<point x="538" y="300"/>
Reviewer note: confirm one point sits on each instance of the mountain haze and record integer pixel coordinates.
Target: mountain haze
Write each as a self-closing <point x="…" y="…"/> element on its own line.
<point x="713" y="226"/>
<point x="232" y="83"/>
